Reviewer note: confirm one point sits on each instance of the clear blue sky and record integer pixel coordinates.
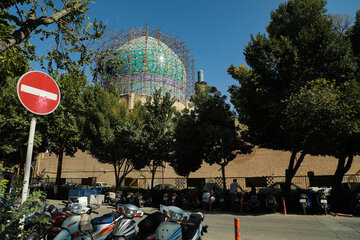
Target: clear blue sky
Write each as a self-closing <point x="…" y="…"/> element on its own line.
<point x="215" y="31"/>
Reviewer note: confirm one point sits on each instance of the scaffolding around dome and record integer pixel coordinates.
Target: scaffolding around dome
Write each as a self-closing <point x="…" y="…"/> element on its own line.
<point x="145" y="60"/>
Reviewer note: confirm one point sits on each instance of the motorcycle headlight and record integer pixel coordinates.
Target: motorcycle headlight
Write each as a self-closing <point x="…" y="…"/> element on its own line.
<point x="175" y="216"/>
<point x="75" y="208"/>
<point x="130" y="213"/>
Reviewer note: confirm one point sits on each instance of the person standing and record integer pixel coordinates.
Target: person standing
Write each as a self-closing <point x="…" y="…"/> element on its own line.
<point x="234" y="186"/>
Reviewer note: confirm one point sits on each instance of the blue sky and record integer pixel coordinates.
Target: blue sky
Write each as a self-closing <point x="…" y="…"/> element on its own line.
<point x="215" y="31"/>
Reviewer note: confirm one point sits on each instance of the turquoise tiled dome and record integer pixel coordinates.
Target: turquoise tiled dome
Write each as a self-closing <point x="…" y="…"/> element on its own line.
<point x="147" y="64"/>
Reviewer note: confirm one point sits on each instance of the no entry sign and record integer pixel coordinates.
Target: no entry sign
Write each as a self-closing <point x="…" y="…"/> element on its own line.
<point x="38" y="92"/>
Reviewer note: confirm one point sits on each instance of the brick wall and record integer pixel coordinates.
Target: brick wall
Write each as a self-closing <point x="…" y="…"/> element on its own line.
<point x="261" y="162"/>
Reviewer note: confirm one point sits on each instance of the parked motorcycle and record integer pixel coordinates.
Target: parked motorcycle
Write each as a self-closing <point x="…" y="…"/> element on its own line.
<point x="305" y="202"/>
<point x="40" y="229"/>
<point x="355" y="204"/>
<point x="237" y="202"/>
<point x="130" y="198"/>
<point x="80" y="224"/>
<point x="271" y="203"/>
<point x="125" y="225"/>
<point x="139" y="200"/>
<point x="180" y="225"/>
<point x="166" y="199"/>
<point x="173" y="199"/>
<point x="322" y="201"/>
<point x="206" y="196"/>
<point x="252" y="203"/>
<point x="147" y="227"/>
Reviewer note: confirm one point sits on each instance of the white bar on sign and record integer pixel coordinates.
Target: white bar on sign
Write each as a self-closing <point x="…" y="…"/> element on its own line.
<point x="38" y="92"/>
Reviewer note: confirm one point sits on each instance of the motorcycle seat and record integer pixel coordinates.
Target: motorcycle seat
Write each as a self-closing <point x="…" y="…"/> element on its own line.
<point x="150" y="223"/>
<point x="190" y="226"/>
<point x="107" y="218"/>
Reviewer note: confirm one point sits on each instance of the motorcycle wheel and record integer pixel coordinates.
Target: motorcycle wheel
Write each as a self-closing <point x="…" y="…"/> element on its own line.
<point x="304" y="209"/>
<point x="273" y="209"/>
<point x="325" y="209"/>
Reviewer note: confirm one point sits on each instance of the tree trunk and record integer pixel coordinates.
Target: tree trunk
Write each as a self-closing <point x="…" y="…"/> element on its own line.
<point x="340" y="198"/>
<point x="153" y="172"/>
<point x="292" y="169"/>
<point x="223" y="175"/>
<point x="116" y="176"/>
<point x="58" y="174"/>
<point x="59" y="167"/>
<point x="342" y="168"/>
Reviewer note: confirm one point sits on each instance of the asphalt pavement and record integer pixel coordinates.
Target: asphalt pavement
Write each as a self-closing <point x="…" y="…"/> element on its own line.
<point x="272" y="226"/>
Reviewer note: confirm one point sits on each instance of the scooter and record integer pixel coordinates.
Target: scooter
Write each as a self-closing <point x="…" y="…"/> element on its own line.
<point x="180" y="225"/>
<point x="305" y="202"/>
<point x="81" y="226"/>
<point x="125" y="226"/>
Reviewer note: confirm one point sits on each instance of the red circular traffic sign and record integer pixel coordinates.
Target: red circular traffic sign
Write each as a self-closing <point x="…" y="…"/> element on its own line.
<point x="38" y="92"/>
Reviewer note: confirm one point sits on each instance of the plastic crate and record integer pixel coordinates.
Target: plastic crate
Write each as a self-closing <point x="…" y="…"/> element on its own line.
<point x="75" y="193"/>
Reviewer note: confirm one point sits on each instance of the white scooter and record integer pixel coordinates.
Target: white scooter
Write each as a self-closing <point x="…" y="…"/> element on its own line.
<point x="81" y="226"/>
<point x="180" y="225"/>
<point x="125" y="227"/>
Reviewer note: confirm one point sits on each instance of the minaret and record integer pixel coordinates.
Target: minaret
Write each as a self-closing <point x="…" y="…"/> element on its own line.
<point x="200" y="80"/>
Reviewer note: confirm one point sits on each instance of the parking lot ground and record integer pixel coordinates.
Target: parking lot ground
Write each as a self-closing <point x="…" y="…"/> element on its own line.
<point x="273" y="226"/>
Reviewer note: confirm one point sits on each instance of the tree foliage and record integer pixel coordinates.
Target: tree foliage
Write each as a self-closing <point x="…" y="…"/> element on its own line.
<point x="110" y="130"/>
<point x="65" y="22"/>
<point x="301" y="46"/>
<point x="207" y="132"/>
<point x="221" y="139"/>
<point x="187" y="148"/>
<point x="12" y="211"/>
<point x="62" y="132"/>
<point x="329" y="115"/>
<point x="14" y="128"/>
<point x="158" y="133"/>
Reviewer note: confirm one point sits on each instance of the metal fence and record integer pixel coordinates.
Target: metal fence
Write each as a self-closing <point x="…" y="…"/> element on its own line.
<point x="181" y="182"/>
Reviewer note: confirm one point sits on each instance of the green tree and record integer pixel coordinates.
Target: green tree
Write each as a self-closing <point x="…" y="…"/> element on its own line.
<point x="14" y="118"/>
<point x="14" y="127"/>
<point x="65" y="22"/>
<point x="329" y="115"/>
<point x="62" y="134"/>
<point x="300" y="46"/>
<point x="157" y="139"/>
<point x="111" y="132"/>
<point x="187" y="151"/>
<point x="353" y="34"/>
<point x="221" y="140"/>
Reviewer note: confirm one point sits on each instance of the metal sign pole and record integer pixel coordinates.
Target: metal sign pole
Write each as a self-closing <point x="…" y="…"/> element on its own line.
<point x="25" y="189"/>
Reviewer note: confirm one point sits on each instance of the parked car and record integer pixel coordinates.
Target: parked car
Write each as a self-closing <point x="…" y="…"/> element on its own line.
<point x="277" y="189"/>
<point x="163" y="187"/>
<point x="102" y="185"/>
